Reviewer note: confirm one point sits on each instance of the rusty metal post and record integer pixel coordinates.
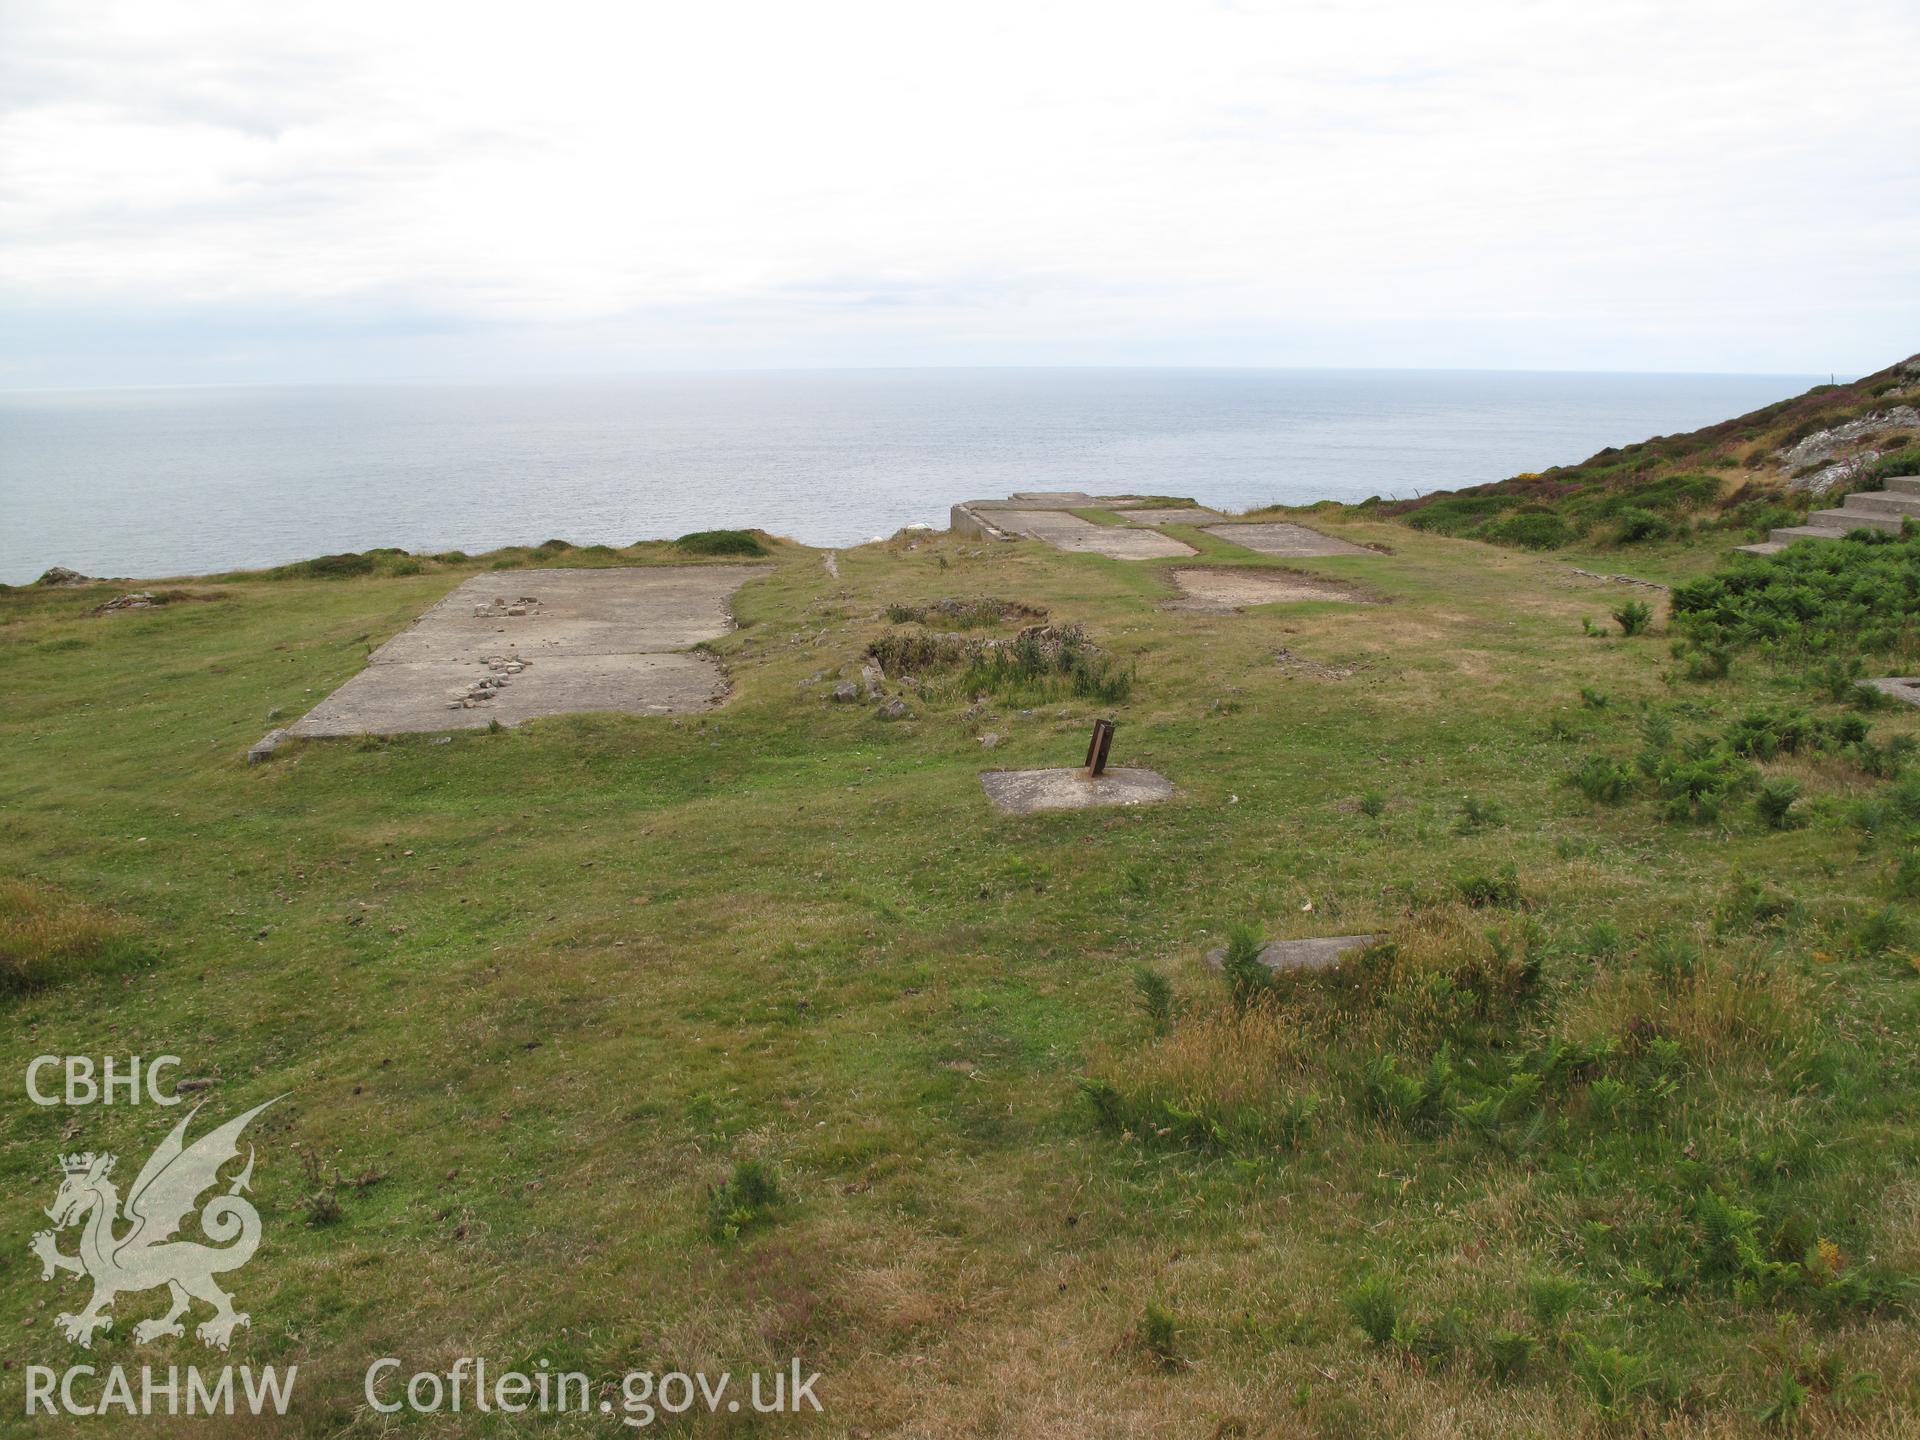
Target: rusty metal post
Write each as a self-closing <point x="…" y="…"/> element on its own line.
<point x="1097" y="748"/>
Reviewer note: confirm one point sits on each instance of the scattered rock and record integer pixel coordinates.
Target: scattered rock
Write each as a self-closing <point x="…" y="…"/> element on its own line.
<point x="895" y="709"/>
<point x="60" y="575"/>
<point x="989" y="740"/>
<point x="137" y="600"/>
<point x="873" y="680"/>
<point x="264" y="747"/>
<point x="845" y="693"/>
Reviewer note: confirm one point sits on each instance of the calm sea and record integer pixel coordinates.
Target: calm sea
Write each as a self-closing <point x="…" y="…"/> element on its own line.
<point x="165" y="482"/>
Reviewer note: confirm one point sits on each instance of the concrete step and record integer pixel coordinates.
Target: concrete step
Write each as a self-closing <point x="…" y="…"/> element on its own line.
<point x="1764" y="547"/>
<point x="1884" y="502"/>
<point x="1904" y="484"/>
<point x="1786" y="535"/>
<point x="1854" y="520"/>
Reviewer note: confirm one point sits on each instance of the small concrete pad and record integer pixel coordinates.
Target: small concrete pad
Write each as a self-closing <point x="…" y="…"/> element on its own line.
<point x="1022" y="792"/>
<point x="1284" y="539"/>
<point x="1901" y="687"/>
<point x="1070" y="532"/>
<point x="1223" y="590"/>
<point x="517" y="644"/>
<point x="1179" y="515"/>
<point x="1320" y="953"/>
<point x="1067" y="498"/>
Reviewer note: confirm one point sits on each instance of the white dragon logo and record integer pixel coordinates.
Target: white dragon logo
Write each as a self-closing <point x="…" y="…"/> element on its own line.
<point x="145" y="1256"/>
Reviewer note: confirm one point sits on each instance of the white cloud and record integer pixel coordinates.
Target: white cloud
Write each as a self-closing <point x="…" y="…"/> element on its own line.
<point x="607" y="185"/>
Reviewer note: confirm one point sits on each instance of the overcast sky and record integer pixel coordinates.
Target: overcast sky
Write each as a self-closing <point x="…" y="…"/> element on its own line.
<point x="207" y="192"/>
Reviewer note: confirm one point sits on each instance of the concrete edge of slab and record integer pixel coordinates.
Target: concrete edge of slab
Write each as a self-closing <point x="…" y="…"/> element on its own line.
<point x="1900" y="687"/>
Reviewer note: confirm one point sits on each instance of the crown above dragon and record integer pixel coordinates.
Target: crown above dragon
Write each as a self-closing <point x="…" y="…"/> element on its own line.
<point x="81" y="1164"/>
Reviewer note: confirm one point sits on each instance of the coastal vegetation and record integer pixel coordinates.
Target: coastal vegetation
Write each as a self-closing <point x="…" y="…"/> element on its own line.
<point x="706" y="1041"/>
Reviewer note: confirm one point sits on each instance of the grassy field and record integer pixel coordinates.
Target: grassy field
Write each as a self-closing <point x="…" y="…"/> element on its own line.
<point x="1615" y="1135"/>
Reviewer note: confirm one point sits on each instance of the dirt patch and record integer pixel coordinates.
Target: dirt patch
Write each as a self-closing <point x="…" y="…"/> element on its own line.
<point x="1023" y="792"/>
<point x="1226" y="590"/>
<point x="955" y="614"/>
<point x="559" y="642"/>
<point x="1312" y="669"/>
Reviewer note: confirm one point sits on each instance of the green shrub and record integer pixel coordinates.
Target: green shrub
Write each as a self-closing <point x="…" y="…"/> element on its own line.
<point x="1615" y="1378"/>
<point x="1509" y="1353"/>
<point x="1247" y="977"/>
<point x="1880" y="932"/>
<point x="1633" y="617"/>
<point x="746" y="1199"/>
<point x="1154" y="993"/>
<point x="1159" y="1337"/>
<point x="1638" y="526"/>
<point x="328" y="567"/>
<point x="1775" y="802"/>
<point x="1485" y="890"/>
<point x="1550" y="1300"/>
<point x="1602" y="780"/>
<point x="719" y="542"/>
<point x="1377" y="1308"/>
<point x="1531" y="531"/>
<point x="1373" y="804"/>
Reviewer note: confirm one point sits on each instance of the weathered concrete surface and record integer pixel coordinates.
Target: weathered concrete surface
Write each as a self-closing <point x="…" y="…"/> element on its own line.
<point x="1070" y="532"/>
<point x="1277" y="538"/>
<point x="1320" y="953"/>
<point x="1223" y="590"/>
<point x="1022" y="792"/>
<point x="610" y="639"/>
<point x="1901" y="687"/>
<point x="1175" y="515"/>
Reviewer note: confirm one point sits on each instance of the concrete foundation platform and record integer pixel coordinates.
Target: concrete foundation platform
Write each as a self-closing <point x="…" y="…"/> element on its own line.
<point x="520" y="644"/>
<point x="1277" y="538"/>
<point x="1180" y="515"/>
<point x="1022" y="792"/>
<point x="1227" y="589"/>
<point x="1070" y="532"/>
<point x="1319" y="953"/>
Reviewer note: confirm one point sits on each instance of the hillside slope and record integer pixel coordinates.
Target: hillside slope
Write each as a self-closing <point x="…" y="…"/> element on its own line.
<point x="1738" y="477"/>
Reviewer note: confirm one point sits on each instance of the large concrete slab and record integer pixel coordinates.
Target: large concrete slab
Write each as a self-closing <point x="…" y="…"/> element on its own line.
<point x="1171" y="515"/>
<point x="1278" y="538"/>
<point x="1022" y="792"/>
<point x="1224" y="590"/>
<point x="1321" y="952"/>
<point x="518" y="644"/>
<point x="1070" y="532"/>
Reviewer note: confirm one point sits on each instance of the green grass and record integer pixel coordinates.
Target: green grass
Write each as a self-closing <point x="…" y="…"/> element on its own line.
<point x="577" y="992"/>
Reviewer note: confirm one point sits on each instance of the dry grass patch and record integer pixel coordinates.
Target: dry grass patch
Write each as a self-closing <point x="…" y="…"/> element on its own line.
<point x="47" y="937"/>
